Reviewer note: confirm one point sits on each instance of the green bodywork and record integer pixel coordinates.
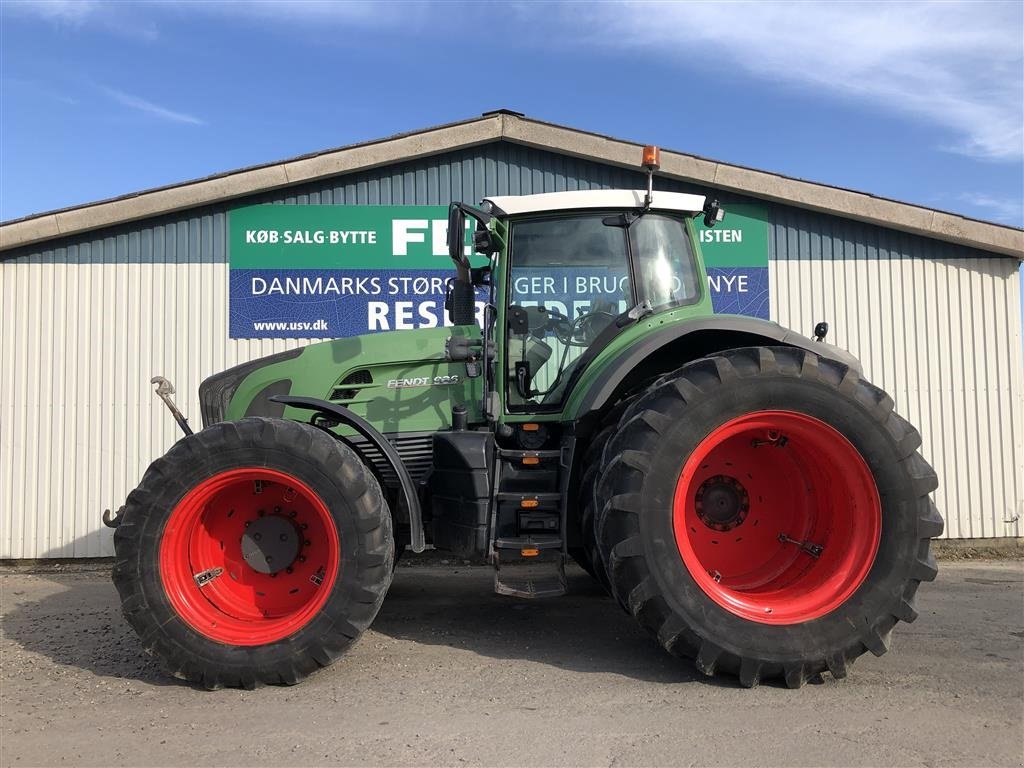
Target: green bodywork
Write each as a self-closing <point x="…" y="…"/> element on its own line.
<point x="425" y="403"/>
<point x="393" y="356"/>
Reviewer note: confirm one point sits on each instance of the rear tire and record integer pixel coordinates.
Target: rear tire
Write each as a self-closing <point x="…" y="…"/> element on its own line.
<point x="219" y="508"/>
<point x="686" y="557"/>
<point x="588" y="555"/>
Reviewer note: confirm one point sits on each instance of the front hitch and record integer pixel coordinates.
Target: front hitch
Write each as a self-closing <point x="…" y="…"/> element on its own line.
<point x="164" y="390"/>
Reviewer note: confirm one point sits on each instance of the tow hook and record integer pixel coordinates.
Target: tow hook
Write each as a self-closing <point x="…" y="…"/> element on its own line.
<point x="164" y="390"/>
<point x="112" y="520"/>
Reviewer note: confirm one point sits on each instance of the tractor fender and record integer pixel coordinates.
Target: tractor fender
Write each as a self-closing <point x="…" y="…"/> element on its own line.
<point x="672" y="346"/>
<point x="406" y="485"/>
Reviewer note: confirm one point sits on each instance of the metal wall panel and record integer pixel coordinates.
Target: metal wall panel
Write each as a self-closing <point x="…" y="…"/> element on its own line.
<point x="86" y="322"/>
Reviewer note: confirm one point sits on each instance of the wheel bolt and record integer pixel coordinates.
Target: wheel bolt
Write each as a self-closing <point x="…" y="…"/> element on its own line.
<point x="257" y="536"/>
<point x="289" y="569"/>
<point x="305" y="526"/>
<point x="284" y="537"/>
<point x="302" y="558"/>
<point x="277" y="510"/>
<point x="292" y="513"/>
<point x="307" y="542"/>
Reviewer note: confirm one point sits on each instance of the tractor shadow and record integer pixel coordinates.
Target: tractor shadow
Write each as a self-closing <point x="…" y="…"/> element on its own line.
<point x="583" y="631"/>
<point x="71" y="615"/>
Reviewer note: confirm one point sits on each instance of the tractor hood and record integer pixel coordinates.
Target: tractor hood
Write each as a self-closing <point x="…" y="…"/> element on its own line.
<point x="387" y="378"/>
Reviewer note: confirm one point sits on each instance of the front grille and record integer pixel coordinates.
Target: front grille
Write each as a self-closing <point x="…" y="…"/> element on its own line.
<point x="343" y="392"/>
<point x="417" y="452"/>
<point x="361" y="376"/>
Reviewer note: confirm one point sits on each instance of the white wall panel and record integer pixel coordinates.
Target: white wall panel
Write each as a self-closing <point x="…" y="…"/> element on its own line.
<point x="78" y="419"/>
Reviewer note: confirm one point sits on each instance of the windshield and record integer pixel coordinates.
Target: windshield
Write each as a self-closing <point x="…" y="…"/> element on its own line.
<point x="570" y="278"/>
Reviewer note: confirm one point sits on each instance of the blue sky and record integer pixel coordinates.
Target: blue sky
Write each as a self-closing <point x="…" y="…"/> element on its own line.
<point x="919" y="102"/>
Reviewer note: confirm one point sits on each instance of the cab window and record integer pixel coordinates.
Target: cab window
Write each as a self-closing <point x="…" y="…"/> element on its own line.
<point x="570" y="277"/>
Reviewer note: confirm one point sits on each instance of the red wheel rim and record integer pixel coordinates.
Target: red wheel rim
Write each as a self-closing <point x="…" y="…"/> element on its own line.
<point x="754" y="501"/>
<point x="211" y="561"/>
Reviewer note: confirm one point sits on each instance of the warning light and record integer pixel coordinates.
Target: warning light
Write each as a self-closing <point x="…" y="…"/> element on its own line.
<point x="652" y="158"/>
<point x="529" y="503"/>
<point x="531" y="460"/>
<point x="529" y="552"/>
<point x="531" y="427"/>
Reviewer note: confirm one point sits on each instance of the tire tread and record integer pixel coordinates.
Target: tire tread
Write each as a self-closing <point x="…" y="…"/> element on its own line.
<point x="637" y="435"/>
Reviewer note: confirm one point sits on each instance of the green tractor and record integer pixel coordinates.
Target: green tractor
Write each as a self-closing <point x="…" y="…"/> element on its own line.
<point x="738" y="488"/>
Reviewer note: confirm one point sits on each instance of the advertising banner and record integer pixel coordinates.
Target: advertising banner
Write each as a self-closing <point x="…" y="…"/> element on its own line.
<point x="736" y="255"/>
<point x="327" y="271"/>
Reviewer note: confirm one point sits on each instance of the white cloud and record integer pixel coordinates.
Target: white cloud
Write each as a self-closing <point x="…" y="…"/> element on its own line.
<point x="143" y="18"/>
<point x="121" y="18"/>
<point x="1000" y="209"/>
<point x="38" y="89"/>
<point x="957" y="65"/>
<point x="345" y="12"/>
<point x="73" y="12"/>
<point x="149" y="108"/>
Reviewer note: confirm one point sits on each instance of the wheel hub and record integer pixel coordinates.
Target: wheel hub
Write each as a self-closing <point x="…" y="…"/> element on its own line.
<point x="271" y="544"/>
<point x="722" y="503"/>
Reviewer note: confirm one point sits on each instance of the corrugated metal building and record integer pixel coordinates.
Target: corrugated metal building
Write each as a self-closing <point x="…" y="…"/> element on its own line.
<point x="98" y="298"/>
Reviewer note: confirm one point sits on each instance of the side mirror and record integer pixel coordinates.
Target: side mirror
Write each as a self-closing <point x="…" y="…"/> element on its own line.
<point x="456" y="233"/>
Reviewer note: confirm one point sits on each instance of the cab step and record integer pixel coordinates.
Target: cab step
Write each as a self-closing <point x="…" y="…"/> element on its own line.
<point x="529" y="542"/>
<point x="516" y="455"/>
<point x="530" y="577"/>
<point x="542" y="499"/>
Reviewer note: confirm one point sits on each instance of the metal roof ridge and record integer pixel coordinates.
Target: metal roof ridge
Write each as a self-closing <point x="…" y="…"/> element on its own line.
<point x="508" y="125"/>
<point x="1004" y="239"/>
<point x="779" y="174"/>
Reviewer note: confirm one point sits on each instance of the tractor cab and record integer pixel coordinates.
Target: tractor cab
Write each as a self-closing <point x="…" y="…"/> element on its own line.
<point x="572" y="277"/>
<point x="578" y="269"/>
<point x="569" y="274"/>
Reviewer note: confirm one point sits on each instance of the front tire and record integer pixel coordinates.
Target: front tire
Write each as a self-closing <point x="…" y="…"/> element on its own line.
<point x="255" y="551"/>
<point x="765" y="512"/>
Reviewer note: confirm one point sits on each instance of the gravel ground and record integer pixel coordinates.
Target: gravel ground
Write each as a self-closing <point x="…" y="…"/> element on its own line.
<point x="452" y="674"/>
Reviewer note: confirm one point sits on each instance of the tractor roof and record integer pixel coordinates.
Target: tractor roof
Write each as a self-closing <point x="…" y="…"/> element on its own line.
<point x="595" y="198"/>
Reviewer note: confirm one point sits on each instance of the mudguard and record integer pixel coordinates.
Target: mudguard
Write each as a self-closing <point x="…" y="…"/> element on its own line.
<point x="718" y="332"/>
<point x="367" y="430"/>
